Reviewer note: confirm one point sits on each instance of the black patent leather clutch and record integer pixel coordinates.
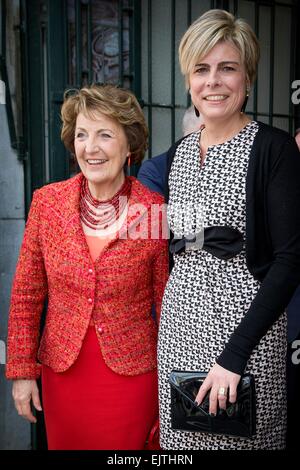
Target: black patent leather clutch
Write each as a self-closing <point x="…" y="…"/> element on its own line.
<point x="237" y="420"/>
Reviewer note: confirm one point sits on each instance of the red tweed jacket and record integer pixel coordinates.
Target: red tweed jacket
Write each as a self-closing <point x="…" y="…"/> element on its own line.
<point x="118" y="289"/>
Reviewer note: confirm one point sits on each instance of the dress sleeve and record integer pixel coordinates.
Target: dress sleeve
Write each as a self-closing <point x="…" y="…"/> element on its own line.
<point x="27" y="300"/>
<point x="283" y="277"/>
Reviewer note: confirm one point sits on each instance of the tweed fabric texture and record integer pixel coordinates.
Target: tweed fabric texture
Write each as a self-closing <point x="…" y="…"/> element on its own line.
<point x="117" y="290"/>
<point x="206" y="297"/>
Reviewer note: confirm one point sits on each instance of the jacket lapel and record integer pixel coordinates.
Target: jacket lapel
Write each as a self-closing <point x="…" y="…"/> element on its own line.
<point x="73" y="234"/>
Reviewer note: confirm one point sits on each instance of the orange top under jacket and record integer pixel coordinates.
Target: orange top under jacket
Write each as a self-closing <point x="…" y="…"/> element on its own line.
<point x="118" y="290"/>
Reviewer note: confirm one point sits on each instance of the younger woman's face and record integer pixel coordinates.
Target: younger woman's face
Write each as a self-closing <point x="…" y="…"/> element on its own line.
<point x="218" y="83"/>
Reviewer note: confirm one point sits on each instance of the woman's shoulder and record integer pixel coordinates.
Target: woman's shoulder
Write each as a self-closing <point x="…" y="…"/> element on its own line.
<point x="144" y="194"/>
<point x="270" y="133"/>
<point x="59" y="189"/>
<point x="271" y="144"/>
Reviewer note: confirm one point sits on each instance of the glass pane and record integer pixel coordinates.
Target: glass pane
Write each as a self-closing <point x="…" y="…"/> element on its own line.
<point x="106" y="23"/>
<point x="105" y="41"/>
<point x="281" y="123"/>
<point x="198" y="8"/>
<point x="282" y="60"/>
<point x="181" y="24"/>
<point x="263" y="83"/>
<point x="161" y="130"/>
<point x="161" y="57"/>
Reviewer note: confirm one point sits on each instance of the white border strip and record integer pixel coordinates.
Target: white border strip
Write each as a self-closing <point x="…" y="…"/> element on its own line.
<point x="2" y="352"/>
<point x="2" y="92"/>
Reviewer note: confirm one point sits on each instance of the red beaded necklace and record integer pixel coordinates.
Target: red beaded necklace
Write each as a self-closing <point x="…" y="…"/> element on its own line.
<point x="107" y="211"/>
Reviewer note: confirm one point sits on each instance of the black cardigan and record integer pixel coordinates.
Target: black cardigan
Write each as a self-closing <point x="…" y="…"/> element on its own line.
<point x="272" y="237"/>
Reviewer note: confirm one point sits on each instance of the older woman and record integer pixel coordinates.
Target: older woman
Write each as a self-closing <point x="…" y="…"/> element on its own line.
<point x="90" y="246"/>
<point x="239" y="180"/>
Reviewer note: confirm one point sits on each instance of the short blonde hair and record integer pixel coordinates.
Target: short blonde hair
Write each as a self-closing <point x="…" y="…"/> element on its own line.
<point x="117" y="103"/>
<point x="213" y="27"/>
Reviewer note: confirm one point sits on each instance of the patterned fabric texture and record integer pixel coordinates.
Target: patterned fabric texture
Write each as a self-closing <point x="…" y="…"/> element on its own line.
<point x="118" y="290"/>
<point x="206" y="297"/>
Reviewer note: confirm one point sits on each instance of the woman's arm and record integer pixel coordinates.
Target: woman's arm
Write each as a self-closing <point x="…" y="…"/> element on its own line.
<point x="283" y="277"/>
<point x="278" y="286"/>
<point x="27" y="300"/>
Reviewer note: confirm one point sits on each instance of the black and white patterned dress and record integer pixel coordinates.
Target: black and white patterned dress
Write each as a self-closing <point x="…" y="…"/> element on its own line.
<point x="206" y="297"/>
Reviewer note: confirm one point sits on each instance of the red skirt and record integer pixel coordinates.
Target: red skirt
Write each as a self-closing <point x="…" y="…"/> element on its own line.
<point x="90" y="407"/>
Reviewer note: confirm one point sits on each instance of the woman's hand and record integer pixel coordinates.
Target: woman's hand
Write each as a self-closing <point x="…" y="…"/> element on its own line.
<point x="23" y="391"/>
<point x="222" y="385"/>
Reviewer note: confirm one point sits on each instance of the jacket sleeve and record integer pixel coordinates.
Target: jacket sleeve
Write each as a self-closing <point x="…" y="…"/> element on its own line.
<point x="149" y="176"/>
<point x="27" y="300"/>
<point x="161" y="265"/>
<point x="283" y="277"/>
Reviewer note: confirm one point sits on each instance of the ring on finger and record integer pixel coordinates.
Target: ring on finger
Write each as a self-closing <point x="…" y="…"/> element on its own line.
<point x="222" y="391"/>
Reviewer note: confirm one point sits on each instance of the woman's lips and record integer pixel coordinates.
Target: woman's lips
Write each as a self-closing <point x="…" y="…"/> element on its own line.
<point x="95" y="161"/>
<point x="215" y="98"/>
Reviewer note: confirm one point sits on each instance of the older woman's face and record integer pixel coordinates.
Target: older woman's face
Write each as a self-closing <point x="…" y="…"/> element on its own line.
<point x="218" y="83"/>
<point x="101" y="149"/>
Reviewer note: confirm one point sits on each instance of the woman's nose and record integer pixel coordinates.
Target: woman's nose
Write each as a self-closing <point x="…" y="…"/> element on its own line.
<point x="213" y="79"/>
<point x="91" y="146"/>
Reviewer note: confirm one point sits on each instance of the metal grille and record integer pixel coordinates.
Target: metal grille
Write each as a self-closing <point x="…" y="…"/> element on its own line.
<point x="163" y="93"/>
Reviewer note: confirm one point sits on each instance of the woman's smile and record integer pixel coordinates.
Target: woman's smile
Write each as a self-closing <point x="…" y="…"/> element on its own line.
<point x="96" y="162"/>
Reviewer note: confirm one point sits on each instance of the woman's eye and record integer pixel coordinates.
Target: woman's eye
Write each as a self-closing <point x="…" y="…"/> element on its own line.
<point x="201" y="70"/>
<point x="105" y="135"/>
<point x="227" y="68"/>
<point x="79" y="135"/>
